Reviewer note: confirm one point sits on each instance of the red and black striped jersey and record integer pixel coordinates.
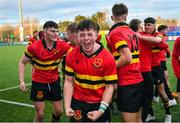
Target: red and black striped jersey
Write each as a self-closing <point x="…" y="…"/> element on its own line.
<point x="121" y="36"/>
<point x="145" y="54"/>
<point x="164" y="51"/>
<point x="32" y="40"/>
<point x="45" y="62"/>
<point x="91" y="73"/>
<point x="156" y="50"/>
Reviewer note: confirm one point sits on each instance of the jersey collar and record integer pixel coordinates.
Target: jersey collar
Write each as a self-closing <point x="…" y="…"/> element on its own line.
<point x="118" y="24"/>
<point x="45" y="47"/>
<point x="94" y="54"/>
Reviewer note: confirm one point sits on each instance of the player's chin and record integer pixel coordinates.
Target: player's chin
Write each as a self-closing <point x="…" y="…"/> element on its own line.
<point x="87" y="49"/>
<point x="54" y="39"/>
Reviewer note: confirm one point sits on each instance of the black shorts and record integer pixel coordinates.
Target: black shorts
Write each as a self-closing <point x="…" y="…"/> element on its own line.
<point x="42" y="91"/>
<point x="147" y="89"/>
<point x="129" y="98"/>
<point x="163" y="65"/>
<point x="82" y="108"/>
<point x="158" y="77"/>
<point x="178" y="85"/>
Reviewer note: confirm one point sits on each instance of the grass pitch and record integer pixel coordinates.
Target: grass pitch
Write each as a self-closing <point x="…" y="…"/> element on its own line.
<point x="12" y="112"/>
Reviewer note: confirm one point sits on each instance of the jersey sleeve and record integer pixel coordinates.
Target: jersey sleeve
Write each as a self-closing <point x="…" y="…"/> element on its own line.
<point x="158" y="34"/>
<point x="118" y="40"/>
<point x="110" y="74"/>
<point x="29" y="52"/>
<point x="67" y="47"/>
<point x="69" y="65"/>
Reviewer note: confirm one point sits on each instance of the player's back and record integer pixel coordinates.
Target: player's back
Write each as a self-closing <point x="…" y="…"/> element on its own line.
<point x="122" y="37"/>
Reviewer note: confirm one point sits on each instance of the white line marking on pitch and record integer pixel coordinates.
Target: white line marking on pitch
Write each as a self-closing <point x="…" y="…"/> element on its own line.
<point x="10" y="88"/>
<point x="17" y="103"/>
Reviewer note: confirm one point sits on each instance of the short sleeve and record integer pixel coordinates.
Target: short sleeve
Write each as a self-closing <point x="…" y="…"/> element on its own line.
<point x="29" y="52"/>
<point x="69" y="64"/>
<point x="118" y="40"/>
<point x="110" y="74"/>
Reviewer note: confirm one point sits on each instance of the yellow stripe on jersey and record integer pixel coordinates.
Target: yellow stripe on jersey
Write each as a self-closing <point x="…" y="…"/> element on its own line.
<point x="88" y="77"/>
<point x="156" y="50"/>
<point x="115" y="54"/>
<point x="45" y="68"/>
<point x="28" y="53"/>
<point x="120" y="43"/>
<point x="135" y="53"/>
<point x="46" y="62"/>
<point x="88" y="86"/>
<point x="29" y="42"/>
<point x="70" y="49"/>
<point x="135" y="60"/>
<point x="69" y="69"/>
<point x="110" y="78"/>
<point x="160" y="35"/>
<point x="97" y="78"/>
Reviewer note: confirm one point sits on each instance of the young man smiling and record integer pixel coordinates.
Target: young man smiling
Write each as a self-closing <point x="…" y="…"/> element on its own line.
<point x="90" y="76"/>
<point x="45" y="56"/>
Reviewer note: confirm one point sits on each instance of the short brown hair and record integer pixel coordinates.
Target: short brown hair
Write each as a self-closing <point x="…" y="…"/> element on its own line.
<point x="72" y="27"/>
<point x="119" y="9"/>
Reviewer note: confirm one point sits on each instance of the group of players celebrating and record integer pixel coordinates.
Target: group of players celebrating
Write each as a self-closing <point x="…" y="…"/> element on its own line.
<point x="128" y="69"/>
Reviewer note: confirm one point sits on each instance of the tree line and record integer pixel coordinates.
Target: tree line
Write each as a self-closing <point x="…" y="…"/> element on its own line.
<point x="32" y="24"/>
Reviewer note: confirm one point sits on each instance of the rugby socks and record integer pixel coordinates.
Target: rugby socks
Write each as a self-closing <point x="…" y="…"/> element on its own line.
<point x="55" y="118"/>
<point x="151" y="112"/>
<point x="167" y="110"/>
<point x="165" y="102"/>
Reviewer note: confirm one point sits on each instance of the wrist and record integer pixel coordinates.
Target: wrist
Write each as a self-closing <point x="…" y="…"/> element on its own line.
<point x="21" y="82"/>
<point x="67" y="107"/>
<point x="103" y="106"/>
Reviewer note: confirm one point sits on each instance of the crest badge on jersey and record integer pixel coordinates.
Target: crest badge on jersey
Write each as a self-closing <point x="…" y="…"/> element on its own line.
<point x="97" y="62"/>
<point x="39" y="94"/>
<point x="56" y="51"/>
<point x="78" y="115"/>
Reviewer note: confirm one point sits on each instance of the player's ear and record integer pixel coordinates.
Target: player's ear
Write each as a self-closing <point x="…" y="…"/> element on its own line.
<point x="112" y="18"/>
<point x="97" y="35"/>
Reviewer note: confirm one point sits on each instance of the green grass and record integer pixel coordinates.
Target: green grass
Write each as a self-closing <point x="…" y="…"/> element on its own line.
<point x="9" y="58"/>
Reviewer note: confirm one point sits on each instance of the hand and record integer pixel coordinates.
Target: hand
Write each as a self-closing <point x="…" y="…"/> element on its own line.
<point x="23" y="86"/>
<point x="94" y="115"/>
<point x="69" y="112"/>
<point x="179" y="58"/>
<point x="168" y="55"/>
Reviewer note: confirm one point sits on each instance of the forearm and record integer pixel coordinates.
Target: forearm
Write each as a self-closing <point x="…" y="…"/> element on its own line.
<point x="21" y="71"/>
<point x="108" y="93"/>
<point x="151" y="39"/>
<point x="68" y="92"/>
<point x="122" y="61"/>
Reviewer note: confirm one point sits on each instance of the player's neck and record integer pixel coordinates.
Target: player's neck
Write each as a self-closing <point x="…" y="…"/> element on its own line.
<point x="95" y="48"/>
<point x="49" y="44"/>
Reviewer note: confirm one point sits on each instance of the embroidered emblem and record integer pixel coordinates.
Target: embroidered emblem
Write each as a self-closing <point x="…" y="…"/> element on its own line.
<point x="97" y="62"/>
<point x="56" y="51"/>
<point x="78" y="115"/>
<point x="39" y="94"/>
